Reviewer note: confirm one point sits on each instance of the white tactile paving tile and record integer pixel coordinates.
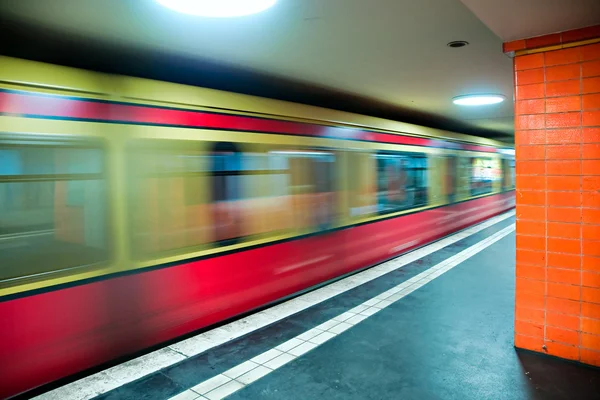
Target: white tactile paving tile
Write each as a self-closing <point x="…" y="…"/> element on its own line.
<point x="290" y="344"/>
<point x="253" y="375"/>
<point x="187" y="395"/>
<point x="305" y="347"/>
<point x="266" y="356"/>
<point x="279" y="361"/>
<point x="211" y="384"/>
<point x="240" y="369"/>
<point x="223" y="391"/>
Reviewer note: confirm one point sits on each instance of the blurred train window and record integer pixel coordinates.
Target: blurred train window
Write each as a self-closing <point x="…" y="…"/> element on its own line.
<point x="508" y="174"/>
<point x="482" y="175"/>
<point x="189" y="195"/>
<point x="361" y="174"/>
<point x="450" y="178"/>
<point x="312" y="191"/>
<point x="53" y="202"/>
<point x="401" y="181"/>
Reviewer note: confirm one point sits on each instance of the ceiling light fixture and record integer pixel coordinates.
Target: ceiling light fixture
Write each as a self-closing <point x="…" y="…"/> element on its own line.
<point x="478" y="99"/>
<point x="218" y="8"/>
<point x="457" y="43"/>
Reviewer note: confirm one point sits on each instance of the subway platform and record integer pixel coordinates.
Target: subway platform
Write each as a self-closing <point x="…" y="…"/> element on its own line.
<point x="436" y="323"/>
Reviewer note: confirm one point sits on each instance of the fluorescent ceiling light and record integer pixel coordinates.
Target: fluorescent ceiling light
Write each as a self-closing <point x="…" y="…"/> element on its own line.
<point x="218" y="8"/>
<point x="478" y="99"/>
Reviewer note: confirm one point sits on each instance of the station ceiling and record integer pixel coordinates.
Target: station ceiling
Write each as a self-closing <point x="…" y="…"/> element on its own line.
<point x="387" y="58"/>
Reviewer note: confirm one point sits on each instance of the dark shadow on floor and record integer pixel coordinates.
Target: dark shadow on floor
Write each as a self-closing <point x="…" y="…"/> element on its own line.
<point x="552" y="378"/>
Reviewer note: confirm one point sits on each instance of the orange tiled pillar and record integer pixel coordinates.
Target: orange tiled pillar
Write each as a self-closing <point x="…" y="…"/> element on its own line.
<point x="557" y="137"/>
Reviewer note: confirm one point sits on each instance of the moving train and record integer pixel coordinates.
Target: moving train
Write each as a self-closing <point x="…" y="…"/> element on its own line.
<point x="133" y="212"/>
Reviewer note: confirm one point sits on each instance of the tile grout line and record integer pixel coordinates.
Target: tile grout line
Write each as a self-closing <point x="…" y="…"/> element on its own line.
<point x="137" y="368"/>
<point x="226" y="385"/>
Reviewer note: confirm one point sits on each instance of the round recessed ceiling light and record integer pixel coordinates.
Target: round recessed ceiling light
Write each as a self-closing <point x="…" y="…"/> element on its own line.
<point x="457" y="43"/>
<point x="218" y="8"/>
<point x="478" y="99"/>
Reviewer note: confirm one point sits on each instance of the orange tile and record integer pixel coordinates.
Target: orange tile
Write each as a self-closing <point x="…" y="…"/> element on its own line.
<point x="531" y="228"/>
<point x="563" y="167"/>
<point x="569" y="231"/>
<point x="590" y="232"/>
<point x="530" y="197"/>
<point x="590" y="69"/>
<point x="560" y="245"/>
<point x="563" y="183"/>
<point x="560" y="260"/>
<point x="562" y="350"/>
<point x="569" y="276"/>
<point x="563" y="136"/>
<point x="543" y="41"/>
<point x="529" y="300"/>
<point x="515" y="45"/>
<point x="589" y="32"/>
<point x="590" y="118"/>
<point x="529" y="314"/>
<point x="591" y="135"/>
<point x="529" y="342"/>
<point x="531" y="213"/>
<point x="590" y="101"/>
<point x="590" y="151"/>
<point x="531" y="286"/>
<point x="529" y="76"/>
<point x="564" y="214"/>
<point x="561" y="120"/>
<point x="536" y="106"/>
<point x="535" y="136"/>
<point x="533" y="91"/>
<point x="591" y="325"/>
<point x="589" y="263"/>
<point x="590" y="295"/>
<point x="591" y="182"/>
<point x="564" y="199"/>
<point x="591" y="342"/>
<point x="562" y="335"/>
<point x="529" y="61"/>
<point x="563" y="291"/>
<point x="532" y="167"/>
<point x="591" y="322"/>
<point x="590" y="279"/>
<point x="531" y="182"/>
<point x="563" y="306"/>
<point x="529" y="329"/>
<point x="590" y="85"/>
<point x="590" y="216"/>
<point x="589" y="357"/>
<point x="563" y="88"/>
<point x="590" y="52"/>
<point x="537" y="243"/>
<point x="591" y="248"/>
<point x="531" y="257"/>
<point x="562" y="152"/>
<point x="590" y="199"/>
<point x="530" y="272"/>
<point x="590" y="167"/>
<point x="563" y="104"/>
<point x="562" y="320"/>
<point x="563" y="72"/>
<point x="533" y="121"/>
<point x="564" y="56"/>
<point x="531" y="152"/>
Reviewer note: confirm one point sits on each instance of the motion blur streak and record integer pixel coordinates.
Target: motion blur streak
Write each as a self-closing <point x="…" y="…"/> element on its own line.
<point x="128" y="224"/>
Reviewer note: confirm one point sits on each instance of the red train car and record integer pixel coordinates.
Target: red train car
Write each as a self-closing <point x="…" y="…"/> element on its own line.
<point x="134" y="211"/>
